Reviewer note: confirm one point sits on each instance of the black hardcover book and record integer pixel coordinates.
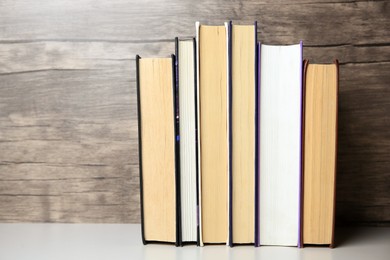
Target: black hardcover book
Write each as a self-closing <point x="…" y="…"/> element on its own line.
<point x="243" y="45"/>
<point x="159" y="155"/>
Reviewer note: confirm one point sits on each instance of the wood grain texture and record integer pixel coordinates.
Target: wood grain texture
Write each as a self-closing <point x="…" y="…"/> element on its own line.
<point x="68" y="121"/>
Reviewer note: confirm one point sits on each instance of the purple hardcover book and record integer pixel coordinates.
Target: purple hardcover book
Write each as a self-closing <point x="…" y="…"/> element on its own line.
<point x="300" y="244"/>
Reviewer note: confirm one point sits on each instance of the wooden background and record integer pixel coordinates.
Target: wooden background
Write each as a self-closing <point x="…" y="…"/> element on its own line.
<point x="68" y="121"/>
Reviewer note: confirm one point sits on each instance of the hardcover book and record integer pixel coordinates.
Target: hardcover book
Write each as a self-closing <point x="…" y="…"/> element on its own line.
<point x="243" y="73"/>
<point x="213" y="131"/>
<point x="186" y="113"/>
<point x="280" y="144"/>
<point x="158" y="155"/>
<point x="320" y="151"/>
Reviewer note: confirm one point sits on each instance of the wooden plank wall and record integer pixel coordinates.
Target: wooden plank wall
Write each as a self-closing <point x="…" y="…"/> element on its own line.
<point x="68" y="121"/>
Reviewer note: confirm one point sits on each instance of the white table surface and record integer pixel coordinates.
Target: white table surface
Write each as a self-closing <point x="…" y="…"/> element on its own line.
<point x="123" y="241"/>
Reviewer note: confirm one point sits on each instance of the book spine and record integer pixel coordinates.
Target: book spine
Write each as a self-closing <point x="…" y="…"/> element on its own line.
<point x="257" y="177"/>
<point x="300" y="244"/>
<point x="257" y="129"/>
<point x="229" y="29"/>
<point x="137" y="58"/>
<point x="177" y="148"/>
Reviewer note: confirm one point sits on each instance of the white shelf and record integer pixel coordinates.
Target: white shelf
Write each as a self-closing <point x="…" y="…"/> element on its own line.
<point x="123" y="241"/>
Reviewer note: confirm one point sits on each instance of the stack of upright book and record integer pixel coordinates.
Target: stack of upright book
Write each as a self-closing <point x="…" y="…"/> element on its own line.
<point x="237" y="142"/>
